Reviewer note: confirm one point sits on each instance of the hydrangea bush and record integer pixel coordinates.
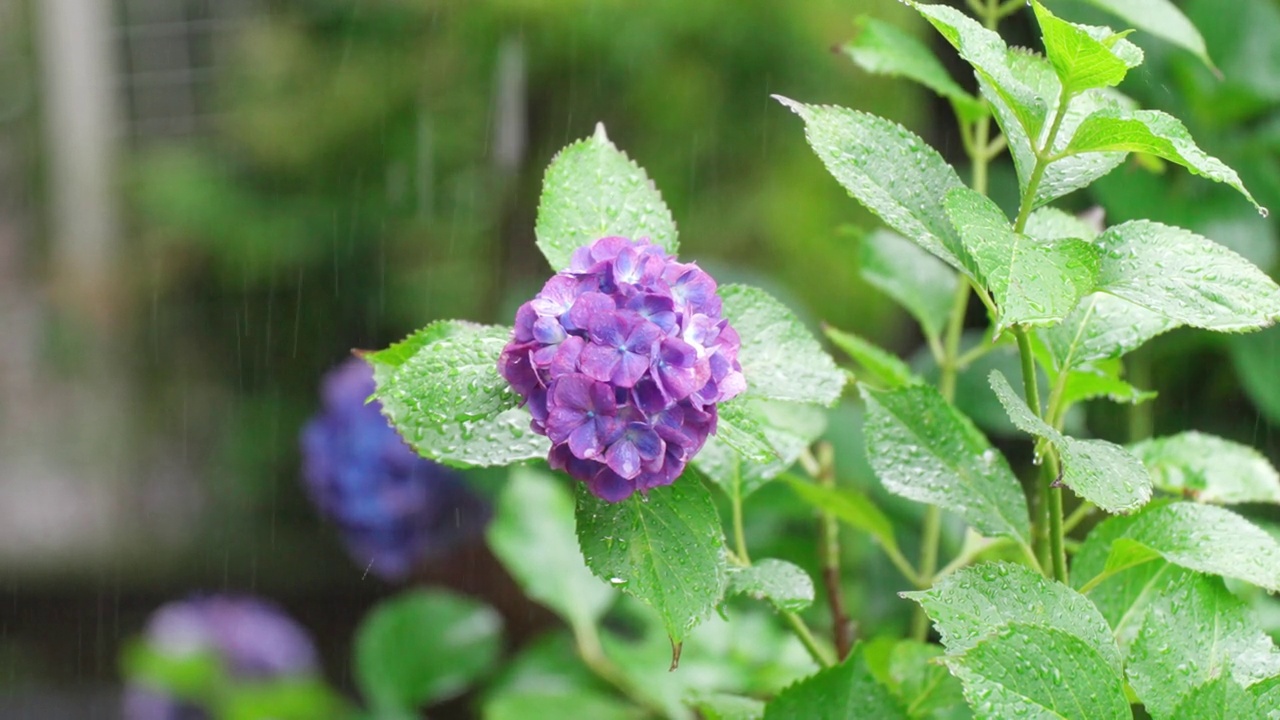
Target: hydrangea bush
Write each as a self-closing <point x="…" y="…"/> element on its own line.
<point x="1105" y="584"/>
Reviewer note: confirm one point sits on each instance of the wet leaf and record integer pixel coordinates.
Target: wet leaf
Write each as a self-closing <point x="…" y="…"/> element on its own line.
<point x="739" y="431"/>
<point x="665" y="548"/>
<point x="916" y="280"/>
<point x="1160" y="18"/>
<point x="1101" y="379"/>
<point x="1219" y="699"/>
<point x="1085" y="57"/>
<point x="923" y="449"/>
<point x="1102" y="327"/>
<point x="886" y="367"/>
<point x="787" y="428"/>
<point x="783" y="584"/>
<point x="1210" y="469"/>
<point x="848" y="506"/>
<point x="1101" y="472"/>
<point x="847" y="691"/>
<point x="533" y="705"/>
<point x="592" y="190"/>
<point x="882" y="48"/>
<point x="719" y="706"/>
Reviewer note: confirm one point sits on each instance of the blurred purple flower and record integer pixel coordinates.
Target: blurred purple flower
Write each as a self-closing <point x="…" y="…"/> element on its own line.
<point x="621" y="360"/>
<point x="393" y="507"/>
<point x="253" y="640"/>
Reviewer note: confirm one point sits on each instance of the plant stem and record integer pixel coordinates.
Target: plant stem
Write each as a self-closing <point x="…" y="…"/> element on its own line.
<point x="841" y="627"/>
<point x="739" y="535"/>
<point x="1085" y="510"/>
<point x="593" y="656"/>
<point x="1056" y="548"/>
<point x="816" y="651"/>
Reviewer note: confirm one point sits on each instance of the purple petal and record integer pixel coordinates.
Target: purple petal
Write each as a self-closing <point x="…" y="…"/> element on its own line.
<point x="648" y="397"/>
<point x="677" y="353"/>
<point x="642" y="336"/>
<point x="623" y="458"/>
<point x="608" y="485"/>
<point x="548" y="330"/>
<point x="525" y="317"/>
<point x="557" y="296"/>
<point x="566" y="358"/>
<point x="585" y="442"/>
<point x="657" y="309"/>
<point x="587" y="307"/>
<point x="561" y="422"/>
<point x="598" y="361"/>
<point x="630" y="369"/>
<point x="572" y="392"/>
<point x="603" y="400"/>
<point x="514" y="365"/>
<point x="611" y="329"/>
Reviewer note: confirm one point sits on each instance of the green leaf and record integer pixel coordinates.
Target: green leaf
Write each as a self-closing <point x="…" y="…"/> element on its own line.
<point x="786" y="428"/>
<point x="1032" y="671"/>
<point x="1160" y="18"/>
<point x="1085" y="57"/>
<point x="1267" y="695"/>
<point x="891" y="371"/>
<point x="532" y="705"/>
<point x="783" y="584"/>
<point x="719" y="706"/>
<point x="532" y="534"/>
<point x="848" y="506"/>
<point x="888" y="169"/>
<point x="1101" y="379"/>
<point x="1219" y="699"/>
<point x="1101" y="472"/>
<point x="915" y="279"/>
<point x="1254" y="359"/>
<point x="665" y="548"/>
<point x="282" y="699"/>
<point x="738" y="429"/>
<point x="924" y="449"/>
<point x="1050" y="223"/>
<point x="1154" y="133"/>
<point x="1195" y="630"/>
<point x="1187" y="278"/>
<point x="1102" y="327"/>
<point x="1032" y="281"/>
<point x="780" y="358"/>
<point x="844" y="692"/>
<point x="1210" y="469"/>
<point x="915" y="675"/>
<point x="441" y="390"/>
<point x="1205" y="538"/>
<point x="593" y="190"/>
<point x="976" y="602"/>
<point x="882" y="48"/>
<point x="195" y="675"/>
<point x="423" y="646"/>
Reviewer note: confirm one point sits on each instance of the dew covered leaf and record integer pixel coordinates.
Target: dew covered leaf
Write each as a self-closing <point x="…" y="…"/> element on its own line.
<point x="532" y="534"/>
<point x="923" y="449"/>
<point x="1102" y="327"/>
<point x="847" y="691"/>
<point x="665" y="548"/>
<point x="1154" y="133"/>
<point x="974" y="603"/>
<point x="849" y="506"/>
<point x="913" y="672"/>
<point x="1205" y="538"/>
<point x="1101" y="379"/>
<point x="782" y="584"/>
<point x="440" y="388"/>
<point x="888" y="169"/>
<point x="1267" y="695"/>
<point x="1219" y="699"/>
<point x="1209" y="469"/>
<point x="1050" y="223"/>
<point x="883" y="48"/>
<point x="1032" y="281"/>
<point x="1085" y="57"/>
<point x="786" y="430"/>
<point x="1161" y="18"/>
<point x="1033" y="671"/>
<point x="738" y="430"/>
<point x="720" y="706"/>
<point x="780" y="358"/>
<point x="592" y="190"/>
<point x="1185" y="277"/>
<point x="915" y="279"/>
<point x="1194" y="630"/>
<point x="1099" y="471"/>
<point x="888" y="368"/>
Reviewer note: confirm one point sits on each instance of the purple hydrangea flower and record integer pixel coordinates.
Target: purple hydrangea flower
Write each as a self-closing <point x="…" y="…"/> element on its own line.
<point x="621" y="360"/>
<point x="394" y="508"/>
<point x="254" y="640"/>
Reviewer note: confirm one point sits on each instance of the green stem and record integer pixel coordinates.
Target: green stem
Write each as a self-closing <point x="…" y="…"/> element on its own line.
<point x="1056" y="548"/>
<point x="593" y="656"/>
<point x="816" y="651"/>
<point x="1043" y="160"/>
<point x="1085" y="510"/>
<point x="739" y="536"/>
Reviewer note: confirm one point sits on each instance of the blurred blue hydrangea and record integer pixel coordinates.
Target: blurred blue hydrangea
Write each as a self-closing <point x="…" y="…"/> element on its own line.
<point x="252" y="641"/>
<point x="393" y="507"/>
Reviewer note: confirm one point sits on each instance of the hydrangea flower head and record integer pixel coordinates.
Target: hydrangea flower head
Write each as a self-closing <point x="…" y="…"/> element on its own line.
<point x="621" y="360"/>
<point x="253" y="640"/>
<point x="393" y="507"/>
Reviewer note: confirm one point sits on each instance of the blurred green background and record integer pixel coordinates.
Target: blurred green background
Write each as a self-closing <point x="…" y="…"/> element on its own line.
<point x="280" y="181"/>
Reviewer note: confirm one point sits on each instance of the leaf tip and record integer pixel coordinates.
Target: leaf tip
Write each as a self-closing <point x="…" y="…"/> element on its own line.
<point x="792" y="105"/>
<point x="600" y="134"/>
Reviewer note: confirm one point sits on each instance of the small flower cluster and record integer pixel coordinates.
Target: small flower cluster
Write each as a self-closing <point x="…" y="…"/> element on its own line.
<point x="393" y="507"/>
<point x="253" y="640"/>
<point x="621" y="360"/>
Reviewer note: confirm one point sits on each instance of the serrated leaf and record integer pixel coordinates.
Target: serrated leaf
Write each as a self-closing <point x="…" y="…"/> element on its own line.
<point x="924" y="449"/>
<point x="1219" y="699"/>
<point x="1205" y="538"/>
<point x="1209" y="469"/>
<point x="847" y="691"/>
<point x="738" y="429"/>
<point x="441" y="390"/>
<point x="592" y="190"/>
<point x="1193" y="631"/>
<point x="848" y="506"/>
<point x="1050" y="223"/>
<point x="888" y="169"/>
<point x="787" y="428"/>
<point x="780" y="358"/>
<point x="916" y="280"/>
<point x="1033" y="281"/>
<point x="1154" y="133"/>
<point x="719" y="706"/>
<point x="885" y="366"/>
<point x="665" y="548"/>
<point x="1101" y="472"/>
<point x="422" y="646"/>
<point x="1160" y="18"/>
<point x="1032" y="671"/>
<point x="882" y="48"/>
<point x="532" y="534"/>
<point x="782" y="584"/>
<point x="1101" y="379"/>
<point x="1102" y="327"/>
<point x="1085" y="57"/>
<point x="924" y="684"/>
<point x="1185" y="277"/>
<point x="1267" y="695"/>
<point x="974" y="603"/>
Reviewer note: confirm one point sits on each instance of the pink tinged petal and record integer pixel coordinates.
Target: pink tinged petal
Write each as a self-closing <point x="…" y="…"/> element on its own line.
<point x="677" y="353"/>
<point x="566" y="357"/>
<point x="731" y="386"/>
<point x="678" y="383"/>
<point x="603" y="400"/>
<point x="642" y="337"/>
<point x="548" y="330"/>
<point x="585" y="441"/>
<point x="608" y="485"/>
<point x="599" y="362"/>
<point x="623" y="458"/>
<point x="629" y="371"/>
<point x="525" y="318"/>
<point x="573" y="392"/>
<point x="608" y="248"/>
<point x="648" y="397"/>
<point x="561" y="422"/>
<point x="587" y="307"/>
